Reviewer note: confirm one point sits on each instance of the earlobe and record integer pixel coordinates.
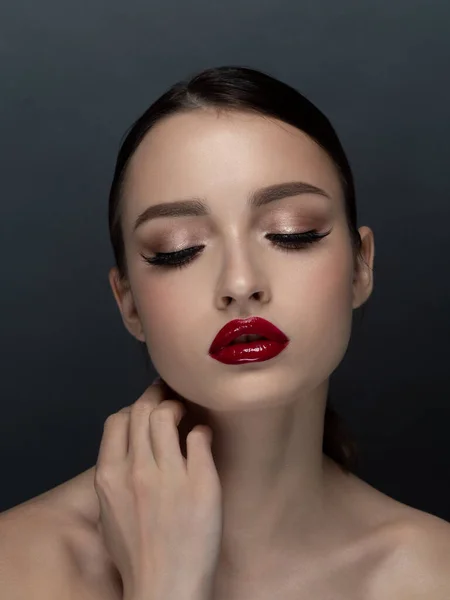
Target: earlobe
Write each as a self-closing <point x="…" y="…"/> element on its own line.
<point x="125" y="302"/>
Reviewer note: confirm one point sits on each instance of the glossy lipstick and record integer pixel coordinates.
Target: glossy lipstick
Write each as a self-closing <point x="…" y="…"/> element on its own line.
<point x="224" y="351"/>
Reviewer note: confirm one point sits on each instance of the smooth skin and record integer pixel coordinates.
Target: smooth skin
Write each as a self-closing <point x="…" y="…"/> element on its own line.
<point x="294" y="525"/>
<point x="160" y="513"/>
<point x="267" y="418"/>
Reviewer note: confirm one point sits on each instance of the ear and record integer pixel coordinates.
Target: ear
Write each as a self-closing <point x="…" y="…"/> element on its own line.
<point x="363" y="277"/>
<point x="125" y="301"/>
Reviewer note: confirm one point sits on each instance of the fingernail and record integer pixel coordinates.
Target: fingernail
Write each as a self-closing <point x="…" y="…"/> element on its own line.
<point x="156" y="381"/>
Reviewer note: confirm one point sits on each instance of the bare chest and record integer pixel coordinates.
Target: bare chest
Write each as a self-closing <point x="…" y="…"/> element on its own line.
<point x="344" y="586"/>
<point x="352" y="580"/>
<point x="345" y="582"/>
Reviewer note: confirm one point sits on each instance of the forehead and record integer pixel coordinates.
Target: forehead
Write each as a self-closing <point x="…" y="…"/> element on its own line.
<point x="219" y="156"/>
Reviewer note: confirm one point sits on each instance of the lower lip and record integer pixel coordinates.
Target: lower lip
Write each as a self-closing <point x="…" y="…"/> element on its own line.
<point x="257" y="351"/>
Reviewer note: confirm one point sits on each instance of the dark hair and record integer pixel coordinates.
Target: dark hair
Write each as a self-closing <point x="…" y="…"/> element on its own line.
<point x="242" y="89"/>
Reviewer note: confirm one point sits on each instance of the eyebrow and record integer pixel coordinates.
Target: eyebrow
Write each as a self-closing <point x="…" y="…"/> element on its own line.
<point x="196" y="207"/>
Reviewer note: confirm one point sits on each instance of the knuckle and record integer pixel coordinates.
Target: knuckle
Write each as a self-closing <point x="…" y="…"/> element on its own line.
<point x="144" y="405"/>
<point x="104" y="476"/>
<point x="114" y="418"/>
<point x="110" y="419"/>
<point x="166" y="411"/>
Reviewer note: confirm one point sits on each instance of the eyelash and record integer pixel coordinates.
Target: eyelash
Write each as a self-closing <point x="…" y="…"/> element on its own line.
<point x="292" y="242"/>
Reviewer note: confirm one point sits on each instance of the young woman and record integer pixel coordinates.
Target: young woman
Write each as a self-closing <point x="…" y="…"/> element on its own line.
<point x="232" y="213"/>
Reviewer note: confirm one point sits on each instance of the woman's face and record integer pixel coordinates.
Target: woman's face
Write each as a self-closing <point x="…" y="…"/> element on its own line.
<point x="307" y="293"/>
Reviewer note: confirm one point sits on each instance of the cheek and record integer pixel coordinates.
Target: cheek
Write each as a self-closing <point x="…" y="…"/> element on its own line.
<point x="171" y="315"/>
<point x="324" y="307"/>
<point x="311" y="300"/>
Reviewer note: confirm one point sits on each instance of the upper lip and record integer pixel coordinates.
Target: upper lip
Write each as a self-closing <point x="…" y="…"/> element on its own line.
<point x="252" y="325"/>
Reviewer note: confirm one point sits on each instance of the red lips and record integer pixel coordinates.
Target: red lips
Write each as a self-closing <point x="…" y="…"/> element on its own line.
<point x="252" y="325"/>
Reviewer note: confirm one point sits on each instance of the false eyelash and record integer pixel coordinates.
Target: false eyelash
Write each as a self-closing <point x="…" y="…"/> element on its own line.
<point x="287" y="242"/>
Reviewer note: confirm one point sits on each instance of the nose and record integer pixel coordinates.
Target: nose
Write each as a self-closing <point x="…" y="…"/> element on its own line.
<point x="243" y="281"/>
<point x="243" y="299"/>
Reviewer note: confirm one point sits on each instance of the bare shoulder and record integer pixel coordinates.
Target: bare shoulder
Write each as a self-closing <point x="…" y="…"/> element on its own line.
<point x="408" y="549"/>
<point x="418" y="564"/>
<point x="52" y="539"/>
<point x="32" y="561"/>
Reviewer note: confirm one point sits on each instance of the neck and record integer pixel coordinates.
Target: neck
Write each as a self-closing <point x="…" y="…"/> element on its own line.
<point x="274" y="476"/>
<point x="276" y="481"/>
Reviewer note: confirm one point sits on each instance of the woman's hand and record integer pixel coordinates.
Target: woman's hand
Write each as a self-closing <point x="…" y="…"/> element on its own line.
<point x="160" y="513"/>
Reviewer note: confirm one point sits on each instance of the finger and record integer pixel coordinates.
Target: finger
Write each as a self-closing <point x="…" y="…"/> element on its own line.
<point x="199" y="455"/>
<point x="164" y="438"/>
<point x="114" y="443"/>
<point x="139" y="441"/>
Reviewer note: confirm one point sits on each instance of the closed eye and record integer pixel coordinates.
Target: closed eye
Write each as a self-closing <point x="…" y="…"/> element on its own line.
<point x="287" y="242"/>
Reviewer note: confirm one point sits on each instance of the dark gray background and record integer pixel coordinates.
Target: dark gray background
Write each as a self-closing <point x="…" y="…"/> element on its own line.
<point x="75" y="75"/>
